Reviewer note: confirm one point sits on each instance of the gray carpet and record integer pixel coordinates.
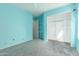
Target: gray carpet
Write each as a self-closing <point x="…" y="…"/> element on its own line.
<point x="40" y="48"/>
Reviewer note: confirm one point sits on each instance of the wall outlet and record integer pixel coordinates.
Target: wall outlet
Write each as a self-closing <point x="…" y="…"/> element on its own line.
<point x="13" y="39"/>
<point x="74" y="9"/>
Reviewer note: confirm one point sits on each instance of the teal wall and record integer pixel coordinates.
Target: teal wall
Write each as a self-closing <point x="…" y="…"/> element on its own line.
<point x="63" y="9"/>
<point x="41" y="26"/>
<point x="15" y="25"/>
<point x="74" y="24"/>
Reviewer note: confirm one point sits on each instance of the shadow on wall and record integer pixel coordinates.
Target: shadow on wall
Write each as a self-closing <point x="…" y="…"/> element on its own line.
<point x="35" y="29"/>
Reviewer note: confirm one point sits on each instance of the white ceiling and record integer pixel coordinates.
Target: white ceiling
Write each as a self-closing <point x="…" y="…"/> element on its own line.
<point x="38" y="8"/>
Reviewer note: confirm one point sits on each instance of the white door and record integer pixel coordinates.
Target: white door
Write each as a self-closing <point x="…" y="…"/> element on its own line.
<point x="58" y="27"/>
<point x="51" y="28"/>
<point x="60" y="30"/>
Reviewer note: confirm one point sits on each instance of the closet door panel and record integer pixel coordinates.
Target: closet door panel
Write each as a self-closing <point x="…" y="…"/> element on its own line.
<point x="60" y="31"/>
<point x="51" y="30"/>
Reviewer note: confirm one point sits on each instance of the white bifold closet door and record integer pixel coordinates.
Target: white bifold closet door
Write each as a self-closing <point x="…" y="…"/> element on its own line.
<point x="59" y="30"/>
<point x="58" y="27"/>
<point x="51" y="28"/>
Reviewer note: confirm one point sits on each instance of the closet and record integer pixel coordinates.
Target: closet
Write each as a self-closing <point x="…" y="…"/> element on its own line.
<point x="59" y="27"/>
